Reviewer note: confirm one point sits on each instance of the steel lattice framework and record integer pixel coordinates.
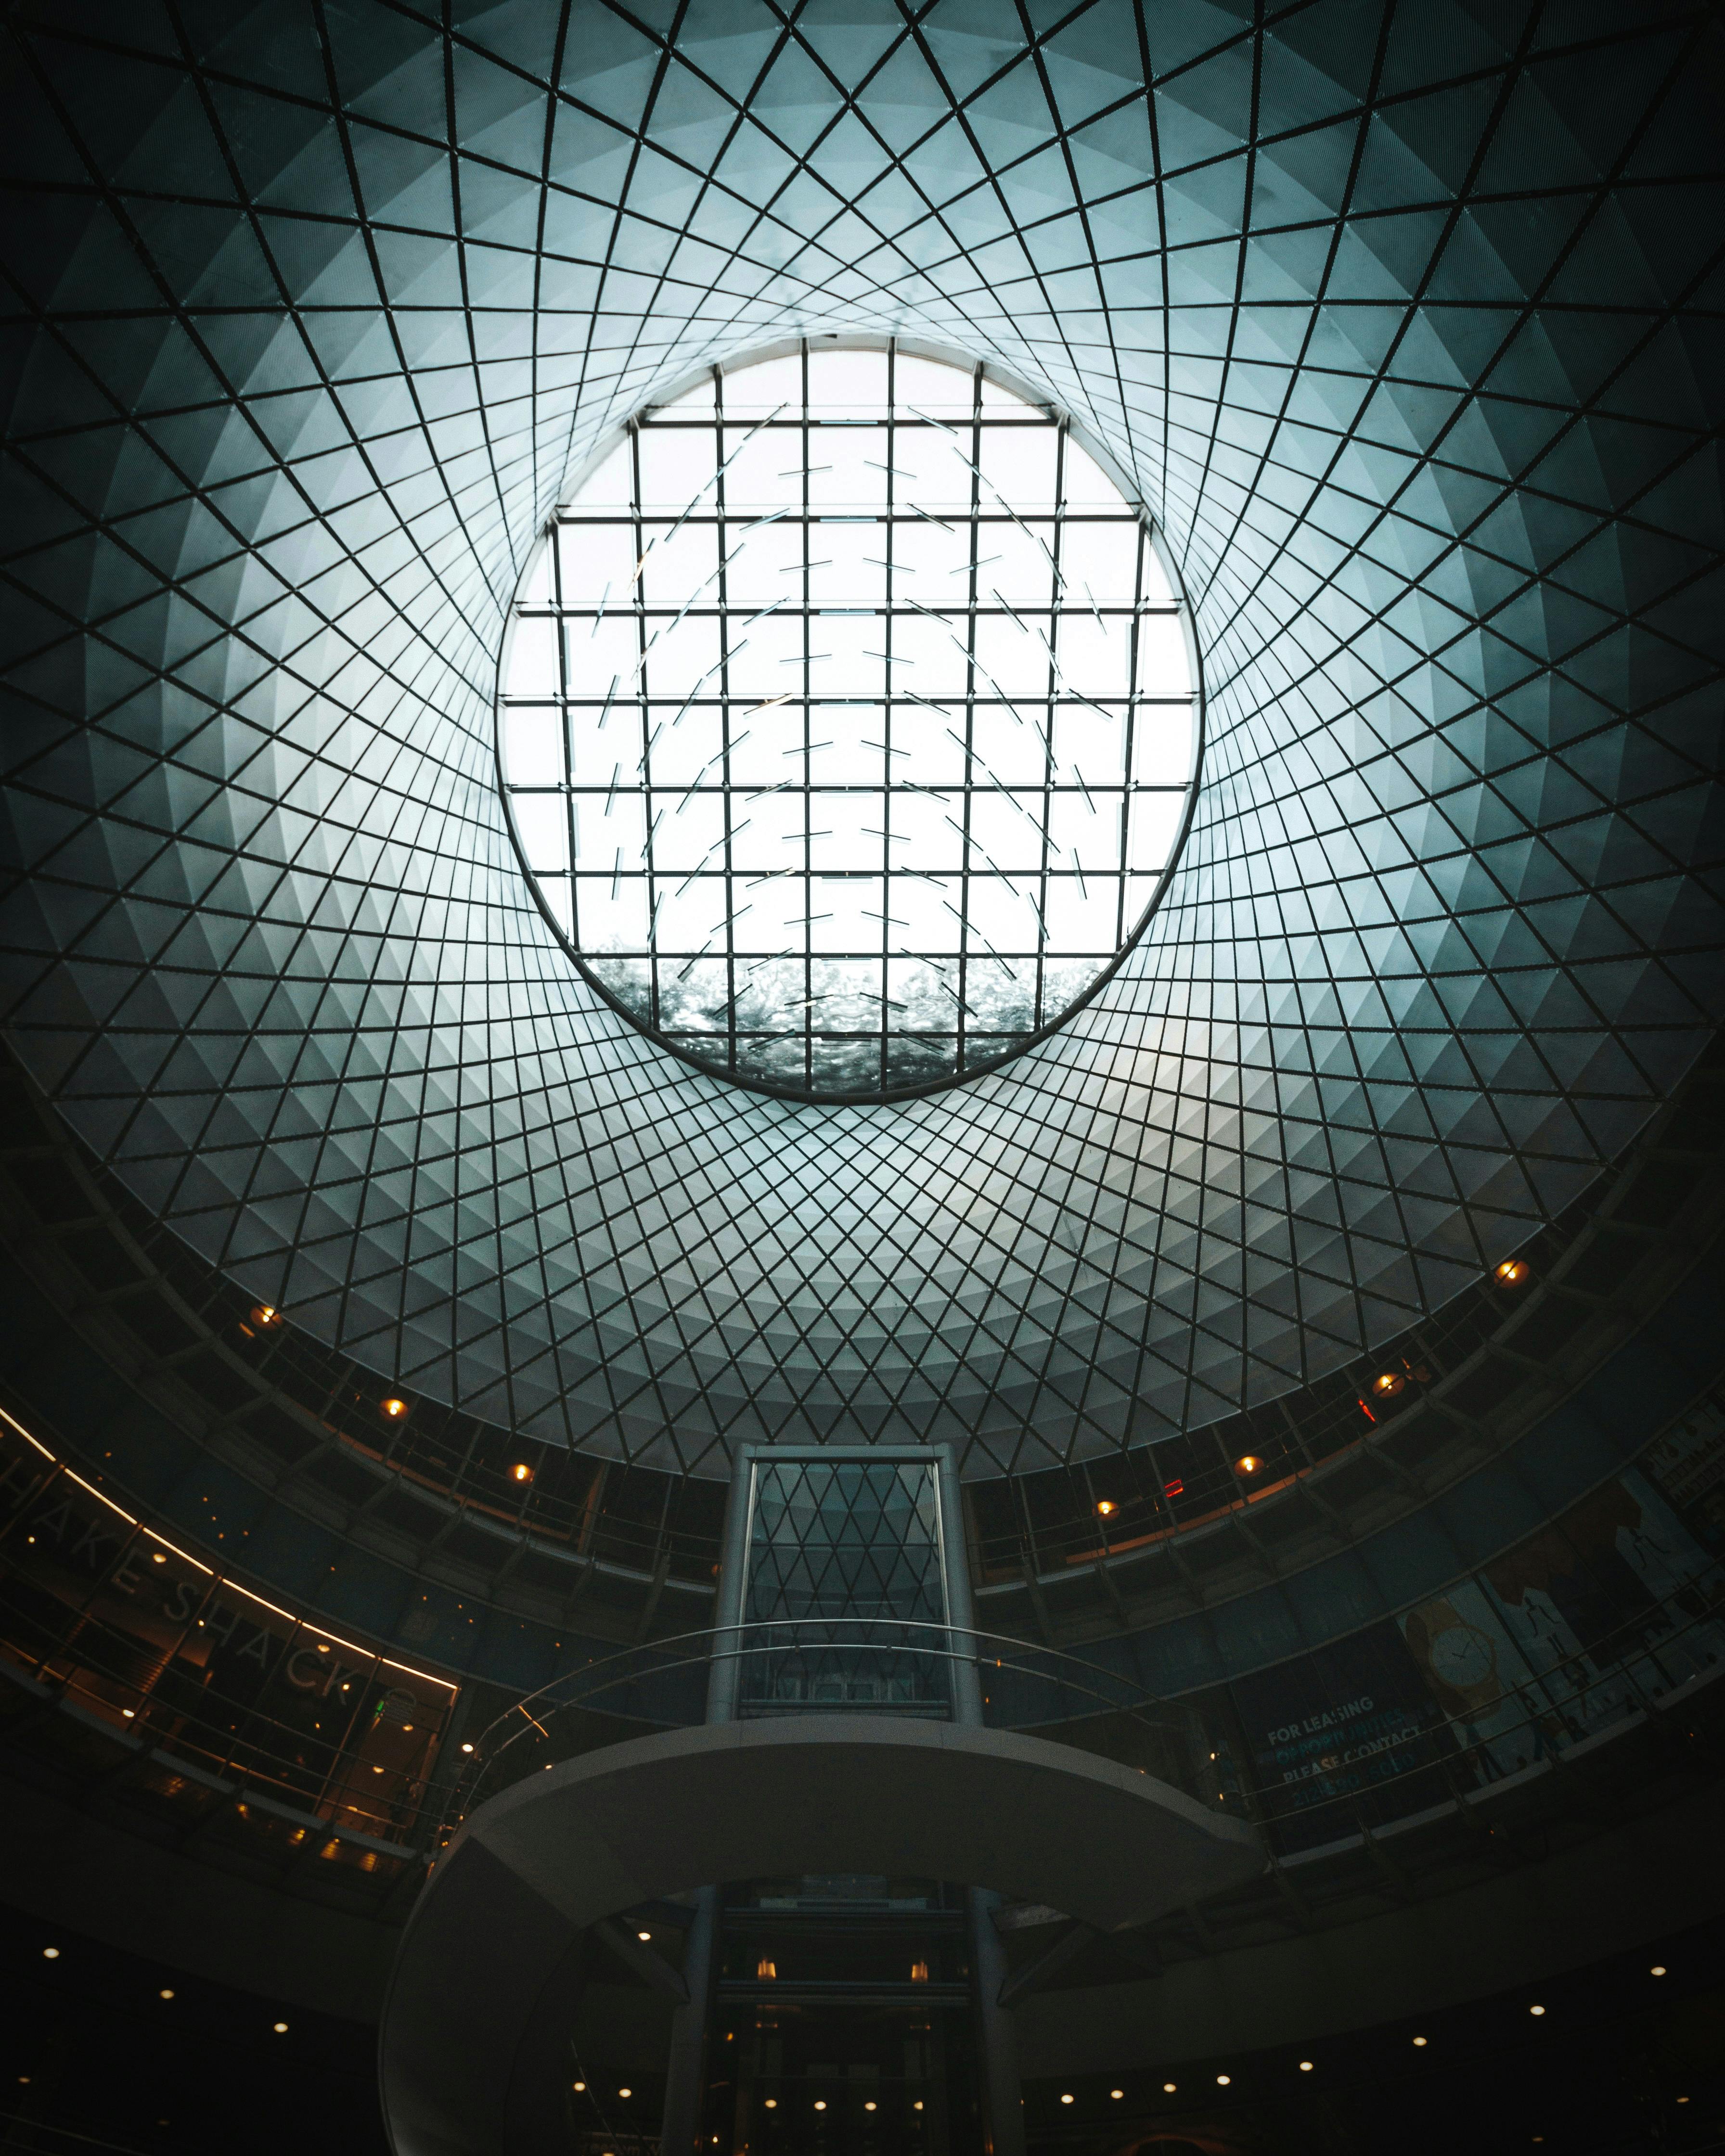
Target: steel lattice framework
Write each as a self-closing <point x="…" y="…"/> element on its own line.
<point x="1402" y="319"/>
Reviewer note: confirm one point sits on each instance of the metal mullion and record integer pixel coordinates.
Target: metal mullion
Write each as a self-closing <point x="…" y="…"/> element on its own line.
<point x="1121" y="925"/>
<point x="976" y="549"/>
<point x="722" y="541"/>
<point x="886" y="702"/>
<point x="1055" y="616"/>
<point x="642" y="708"/>
<point x="805" y="436"/>
<point x="560" y="615"/>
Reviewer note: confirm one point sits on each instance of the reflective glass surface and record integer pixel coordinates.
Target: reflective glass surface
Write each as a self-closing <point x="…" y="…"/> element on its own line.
<point x="847" y="720"/>
<point x="845" y="1571"/>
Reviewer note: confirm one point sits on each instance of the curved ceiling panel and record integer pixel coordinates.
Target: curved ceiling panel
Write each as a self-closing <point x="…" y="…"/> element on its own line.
<point x="1400" y="319"/>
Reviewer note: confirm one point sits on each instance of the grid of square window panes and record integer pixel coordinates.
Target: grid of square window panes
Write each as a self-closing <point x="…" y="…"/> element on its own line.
<point x="847" y="723"/>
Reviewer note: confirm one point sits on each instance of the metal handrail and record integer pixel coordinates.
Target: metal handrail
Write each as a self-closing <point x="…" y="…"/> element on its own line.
<point x="1441" y="1747"/>
<point x="951" y="1645"/>
<point x="1545" y="1720"/>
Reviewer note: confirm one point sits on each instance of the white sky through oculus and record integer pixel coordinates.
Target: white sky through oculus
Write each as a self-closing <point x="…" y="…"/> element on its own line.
<point x="848" y="722"/>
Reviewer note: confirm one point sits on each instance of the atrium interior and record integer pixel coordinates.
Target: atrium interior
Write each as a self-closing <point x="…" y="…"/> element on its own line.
<point x="862" y="1144"/>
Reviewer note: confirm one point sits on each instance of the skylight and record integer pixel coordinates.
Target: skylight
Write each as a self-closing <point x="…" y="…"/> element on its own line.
<point x="848" y="724"/>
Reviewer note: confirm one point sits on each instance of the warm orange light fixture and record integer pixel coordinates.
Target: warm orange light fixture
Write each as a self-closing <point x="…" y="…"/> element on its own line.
<point x="765" y="1970"/>
<point x="870" y="2105"/>
<point x="1065" y="2099"/>
<point x="1389" y="1382"/>
<point x="1117" y="2094"/>
<point x="265" y="1314"/>
<point x="1247" y="1464"/>
<point x="393" y="1407"/>
<point x="523" y="1473"/>
<point x="1105" y="1505"/>
<point x="919" y="1972"/>
<point x="625" y="2093"/>
<point x="1512" y="1271"/>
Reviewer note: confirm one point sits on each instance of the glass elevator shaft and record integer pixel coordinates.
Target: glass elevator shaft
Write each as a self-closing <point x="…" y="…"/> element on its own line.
<point x="844" y="2014"/>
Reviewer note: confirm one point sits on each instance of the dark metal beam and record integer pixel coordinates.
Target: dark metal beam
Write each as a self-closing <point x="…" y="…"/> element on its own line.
<point x="1071" y="1942"/>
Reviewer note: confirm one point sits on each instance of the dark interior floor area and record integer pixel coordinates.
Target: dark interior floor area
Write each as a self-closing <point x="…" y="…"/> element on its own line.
<point x="1620" y="2059"/>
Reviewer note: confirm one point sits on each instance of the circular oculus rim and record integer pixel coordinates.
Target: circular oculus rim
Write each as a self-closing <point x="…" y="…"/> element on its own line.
<point x="872" y="885"/>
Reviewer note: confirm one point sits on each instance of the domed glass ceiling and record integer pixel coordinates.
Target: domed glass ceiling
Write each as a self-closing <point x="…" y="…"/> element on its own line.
<point x="847" y="720"/>
<point x="1400" y="320"/>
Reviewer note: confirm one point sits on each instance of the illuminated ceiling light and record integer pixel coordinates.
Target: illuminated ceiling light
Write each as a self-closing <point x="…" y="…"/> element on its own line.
<point x="1419" y="2043"/>
<point x="1065" y="2099"/>
<point x="394" y="1407"/>
<point x="522" y="1472"/>
<point x="280" y="2027"/>
<point x="918" y="2105"/>
<point x="644" y="1936"/>
<point x="50" y="1953"/>
<point x="265" y="1314"/>
<point x="1167" y="2088"/>
<point x="130" y="1713"/>
<point x="870" y="2105"/>
<point x="766" y="1970"/>
<point x="164" y="1995"/>
<point x="1512" y="1271"/>
<point x="1223" y="2080"/>
<point x="467" y="1747"/>
<point x="625" y="2092"/>
<point x="820" y="2103"/>
<point x="772" y="2103"/>
<point x="1306" y="2065"/>
<point x="1106" y="1505"/>
<point x="1536" y="2010"/>
<point x="158" y="1558"/>
<point x="578" y="2087"/>
<point x="919" y="1972"/>
<point x="1657" y="1969"/>
<point x="1117" y="2094"/>
<point x="1247" y="1464"/>
<point x="1388" y="1383"/>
